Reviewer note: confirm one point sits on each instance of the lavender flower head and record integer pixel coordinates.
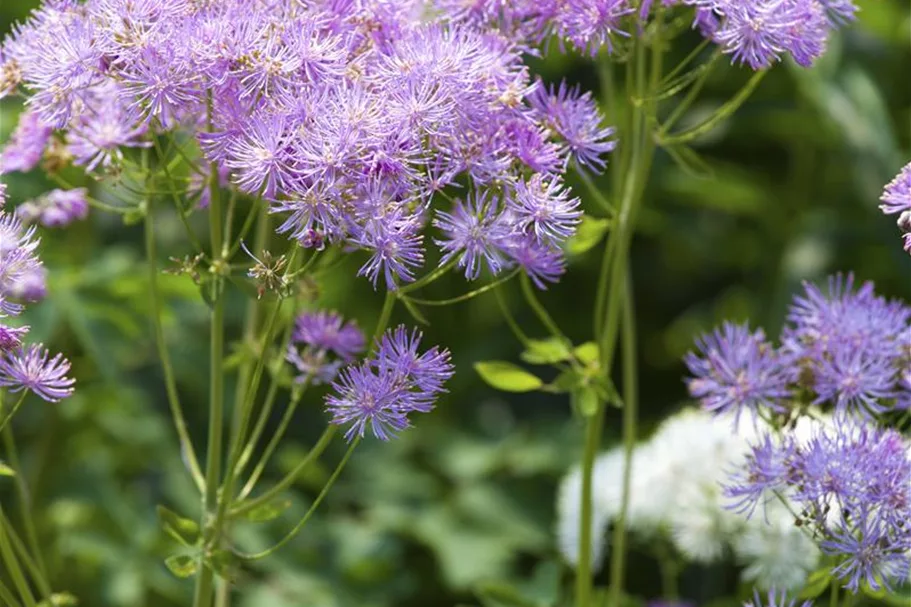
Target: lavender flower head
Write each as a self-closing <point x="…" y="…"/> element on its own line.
<point x="775" y="599"/>
<point x="896" y="199"/>
<point x="321" y="343"/>
<point x="737" y="370"/>
<point x="849" y="481"/>
<point x="57" y="208"/>
<point x="24" y="149"/>
<point x="383" y="390"/>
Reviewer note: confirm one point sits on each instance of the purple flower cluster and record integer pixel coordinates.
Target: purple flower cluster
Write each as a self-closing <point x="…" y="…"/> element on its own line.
<point x="348" y="117"/>
<point x="24" y="367"/>
<point x="56" y="208"/>
<point x="896" y="200"/>
<point x="321" y="343"/>
<point x="26" y="146"/>
<point x="849" y="484"/>
<point x="392" y="383"/>
<point x="847" y="348"/>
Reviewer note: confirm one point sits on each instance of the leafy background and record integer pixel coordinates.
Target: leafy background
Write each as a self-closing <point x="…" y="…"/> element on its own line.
<point x="465" y="502"/>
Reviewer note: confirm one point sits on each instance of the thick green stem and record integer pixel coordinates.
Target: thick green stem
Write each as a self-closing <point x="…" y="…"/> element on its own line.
<point x="203" y="594"/>
<point x="630" y="401"/>
<point x="180" y="423"/>
<point x="15" y="572"/>
<point x="7" y="597"/>
<point x="584" y="567"/>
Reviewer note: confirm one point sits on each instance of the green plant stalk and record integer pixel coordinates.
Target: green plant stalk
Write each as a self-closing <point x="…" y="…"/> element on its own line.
<point x="19" y="546"/>
<point x="204" y="582"/>
<point x="274" y="441"/>
<point x="630" y="403"/>
<point x="319" y="498"/>
<point x="288" y="480"/>
<point x="13" y="411"/>
<point x="15" y="572"/>
<point x="7" y="597"/>
<point x="180" y="423"/>
<point x="25" y="505"/>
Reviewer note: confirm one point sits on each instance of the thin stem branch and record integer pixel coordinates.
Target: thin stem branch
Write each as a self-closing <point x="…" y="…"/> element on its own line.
<point x="13" y="411"/>
<point x="25" y="501"/>
<point x="41" y="582"/>
<point x="15" y="572"/>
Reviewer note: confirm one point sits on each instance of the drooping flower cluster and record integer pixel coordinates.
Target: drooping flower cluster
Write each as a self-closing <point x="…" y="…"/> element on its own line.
<point x="350" y="118"/>
<point x="676" y="491"/>
<point x="392" y="383"/>
<point x="321" y="343"/>
<point x="757" y="33"/>
<point x="56" y="208"/>
<point x="847" y="348"/>
<point x="24" y="367"/>
<point x="849" y="484"/>
<point x="896" y="200"/>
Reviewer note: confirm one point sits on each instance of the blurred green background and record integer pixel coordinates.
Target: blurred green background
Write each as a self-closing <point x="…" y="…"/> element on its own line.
<point x="468" y="496"/>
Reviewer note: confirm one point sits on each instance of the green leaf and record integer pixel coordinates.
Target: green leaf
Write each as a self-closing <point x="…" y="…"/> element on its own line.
<point x="585" y="400"/>
<point x="181" y="529"/>
<point x="587" y="353"/>
<point x="267" y="512"/>
<point x="5" y="470"/>
<point x="507" y="376"/>
<point x="816" y="584"/>
<point x="501" y="594"/>
<point x="224" y="563"/>
<point x="60" y="599"/>
<point x="546" y="351"/>
<point x="591" y="231"/>
<point x="182" y="565"/>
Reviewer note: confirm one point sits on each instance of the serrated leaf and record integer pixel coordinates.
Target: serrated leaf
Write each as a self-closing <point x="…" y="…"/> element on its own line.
<point x="590" y="232"/>
<point x="546" y="351"/>
<point x="507" y="376"/>
<point x="816" y="584"/>
<point x="5" y="470"/>
<point x="182" y="565"/>
<point x="181" y="529"/>
<point x="587" y="353"/>
<point x="585" y="400"/>
<point x="60" y="599"/>
<point x="267" y="511"/>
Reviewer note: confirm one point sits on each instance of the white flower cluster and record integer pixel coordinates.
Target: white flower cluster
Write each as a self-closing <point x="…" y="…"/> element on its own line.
<point x="676" y="492"/>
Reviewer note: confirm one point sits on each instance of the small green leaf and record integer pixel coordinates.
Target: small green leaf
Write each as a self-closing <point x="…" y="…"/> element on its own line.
<point x="182" y="565"/>
<point x="6" y="470"/>
<point x="567" y="381"/>
<point x="60" y="599"/>
<point x="181" y="529"/>
<point x="507" y="376"/>
<point x="816" y="584"/>
<point x="546" y="351"/>
<point x="267" y="511"/>
<point x="591" y="231"/>
<point x="134" y="216"/>
<point x="587" y="353"/>
<point x="585" y="400"/>
<point x="224" y="563"/>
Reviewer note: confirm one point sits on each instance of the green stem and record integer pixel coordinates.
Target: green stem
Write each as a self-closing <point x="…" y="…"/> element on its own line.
<point x="668" y="566"/>
<point x="203" y="593"/>
<point x="289" y="478"/>
<point x="178" y="206"/>
<point x="13" y="411"/>
<point x="319" y="498"/>
<point x="539" y="310"/>
<point x="723" y="112"/>
<point x="833" y="594"/>
<point x="630" y="400"/>
<point x="15" y="572"/>
<point x="19" y="547"/>
<point x="510" y="320"/>
<point x="6" y="595"/>
<point x="465" y="296"/>
<point x="273" y="442"/>
<point x="180" y="422"/>
<point x="25" y="501"/>
<point x="584" y="567"/>
<point x="385" y="315"/>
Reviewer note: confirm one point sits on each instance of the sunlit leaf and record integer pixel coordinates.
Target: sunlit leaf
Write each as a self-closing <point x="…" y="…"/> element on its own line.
<point x="507" y="376"/>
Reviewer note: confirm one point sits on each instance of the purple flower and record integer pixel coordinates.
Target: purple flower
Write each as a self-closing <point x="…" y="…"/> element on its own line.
<point x="576" y="119"/>
<point x="541" y="262"/>
<point x="896" y="196"/>
<point x="396" y="247"/>
<point x="26" y="145"/>
<point x="869" y="554"/>
<point x="758" y="32"/>
<point x="95" y="137"/>
<point x="259" y="157"/>
<point x="737" y="370"/>
<point x="856" y="380"/>
<point x="383" y="390"/>
<point x="545" y="206"/>
<point x="765" y="471"/>
<point x="33" y="368"/>
<point x="56" y="208"/>
<point x="328" y="331"/>
<point x="590" y="24"/>
<point x="11" y="337"/>
<point x="476" y="231"/>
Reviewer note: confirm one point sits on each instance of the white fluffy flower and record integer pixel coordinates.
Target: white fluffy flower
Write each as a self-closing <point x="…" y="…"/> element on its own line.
<point x="777" y="553"/>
